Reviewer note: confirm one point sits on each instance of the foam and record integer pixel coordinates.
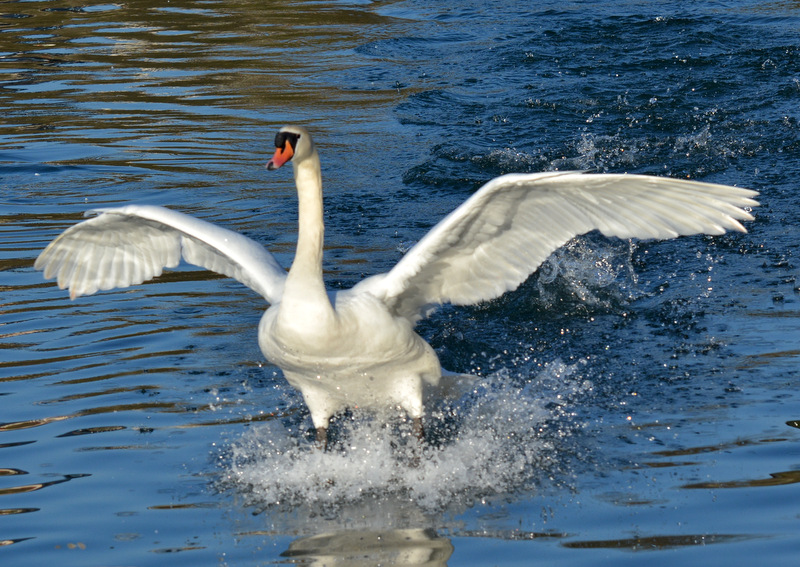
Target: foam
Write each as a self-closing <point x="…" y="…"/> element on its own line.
<point x="494" y="440"/>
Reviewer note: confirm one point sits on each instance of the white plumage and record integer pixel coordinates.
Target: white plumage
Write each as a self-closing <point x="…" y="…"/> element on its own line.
<point x="358" y="347"/>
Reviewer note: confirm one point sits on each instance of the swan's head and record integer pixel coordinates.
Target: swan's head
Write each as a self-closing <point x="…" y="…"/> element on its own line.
<point x="291" y="142"/>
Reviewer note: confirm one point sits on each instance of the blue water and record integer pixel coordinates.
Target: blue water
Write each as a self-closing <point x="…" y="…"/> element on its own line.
<point x="638" y="400"/>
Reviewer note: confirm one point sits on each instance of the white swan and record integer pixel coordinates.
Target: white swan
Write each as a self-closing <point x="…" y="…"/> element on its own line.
<point x="358" y="348"/>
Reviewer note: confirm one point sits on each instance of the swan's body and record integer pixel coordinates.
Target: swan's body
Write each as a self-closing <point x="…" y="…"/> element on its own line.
<point x="358" y="348"/>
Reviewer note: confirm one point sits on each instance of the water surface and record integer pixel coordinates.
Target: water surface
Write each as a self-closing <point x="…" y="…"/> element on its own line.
<point x="638" y="400"/>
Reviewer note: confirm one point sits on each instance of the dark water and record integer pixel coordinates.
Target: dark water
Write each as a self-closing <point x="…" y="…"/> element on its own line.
<point x="639" y="400"/>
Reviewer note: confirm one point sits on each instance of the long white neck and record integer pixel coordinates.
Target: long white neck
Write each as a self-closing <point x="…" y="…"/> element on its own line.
<point x="305" y="298"/>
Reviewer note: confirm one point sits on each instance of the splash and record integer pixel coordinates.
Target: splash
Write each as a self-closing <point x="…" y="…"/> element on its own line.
<point x="604" y="153"/>
<point x="590" y="271"/>
<point x="496" y="439"/>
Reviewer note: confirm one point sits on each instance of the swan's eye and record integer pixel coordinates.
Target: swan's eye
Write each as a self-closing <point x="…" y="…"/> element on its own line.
<point x="282" y="137"/>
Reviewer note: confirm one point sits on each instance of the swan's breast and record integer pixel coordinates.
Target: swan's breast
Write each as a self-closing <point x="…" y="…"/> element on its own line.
<point x="365" y="340"/>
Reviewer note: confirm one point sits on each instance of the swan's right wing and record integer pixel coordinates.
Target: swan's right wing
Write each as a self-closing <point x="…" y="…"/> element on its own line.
<point x="501" y="234"/>
<point x="129" y="245"/>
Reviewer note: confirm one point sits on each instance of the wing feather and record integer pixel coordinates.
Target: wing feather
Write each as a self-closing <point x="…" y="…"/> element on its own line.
<point x="502" y="233"/>
<point x="129" y="245"/>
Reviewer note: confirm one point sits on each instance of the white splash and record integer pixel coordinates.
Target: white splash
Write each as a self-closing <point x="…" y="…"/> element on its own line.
<point x="494" y="440"/>
<point x="595" y="271"/>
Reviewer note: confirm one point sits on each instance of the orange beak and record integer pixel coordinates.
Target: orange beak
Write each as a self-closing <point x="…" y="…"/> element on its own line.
<point x="282" y="155"/>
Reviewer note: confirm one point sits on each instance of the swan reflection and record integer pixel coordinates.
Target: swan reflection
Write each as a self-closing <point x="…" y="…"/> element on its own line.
<point x="418" y="547"/>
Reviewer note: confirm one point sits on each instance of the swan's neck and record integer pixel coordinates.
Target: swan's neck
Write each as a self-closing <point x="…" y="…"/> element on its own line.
<point x="305" y="298"/>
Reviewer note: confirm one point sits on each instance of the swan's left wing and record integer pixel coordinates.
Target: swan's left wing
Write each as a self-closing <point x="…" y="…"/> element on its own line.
<point x="128" y="245"/>
<point x="501" y="234"/>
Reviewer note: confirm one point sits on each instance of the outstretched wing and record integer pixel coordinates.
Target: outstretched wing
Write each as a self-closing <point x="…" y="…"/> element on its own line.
<point x="128" y="245"/>
<point x="502" y="233"/>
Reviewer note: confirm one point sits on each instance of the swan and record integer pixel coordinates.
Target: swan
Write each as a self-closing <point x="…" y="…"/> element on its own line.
<point x="357" y="347"/>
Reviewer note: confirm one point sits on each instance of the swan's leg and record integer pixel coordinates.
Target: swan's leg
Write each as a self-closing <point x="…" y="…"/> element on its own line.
<point x="419" y="430"/>
<point x="409" y="394"/>
<point x="322" y="408"/>
<point x="322" y="438"/>
<point x="321" y="430"/>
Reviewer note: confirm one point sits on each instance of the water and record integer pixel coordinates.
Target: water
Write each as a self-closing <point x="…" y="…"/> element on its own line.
<point x="638" y="401"/>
